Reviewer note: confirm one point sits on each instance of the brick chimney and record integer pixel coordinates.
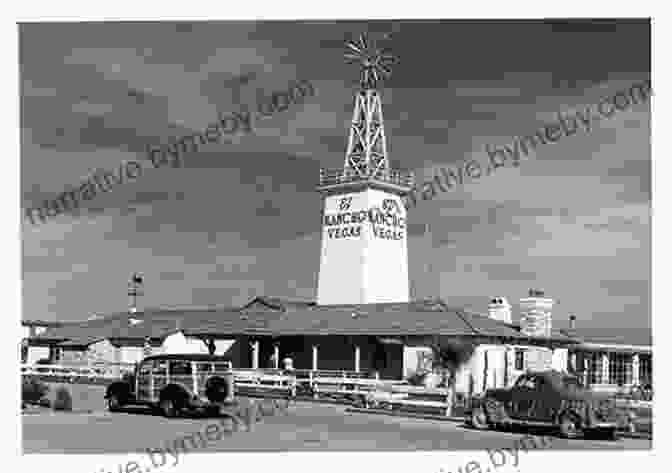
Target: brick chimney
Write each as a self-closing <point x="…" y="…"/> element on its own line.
<point x="500" y="309"/>
<point x="535" y="314"/>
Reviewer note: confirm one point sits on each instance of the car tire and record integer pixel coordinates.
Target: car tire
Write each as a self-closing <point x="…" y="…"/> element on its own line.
<point x="569" y="426"/>
<point x="168" y="408"/>
<point x="479" y="419"/>
<point x="114" y="404"/>
<point x="613" y="435"/>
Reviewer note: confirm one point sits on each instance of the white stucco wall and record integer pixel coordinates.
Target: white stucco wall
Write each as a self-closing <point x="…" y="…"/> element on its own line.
<point x="494" y="377"/>
<point x="559" y="359"/>
<point x="473" y="369"/>
<point x="414" y="358"/>
<point x="178" y="343"/>
<point x="37" y="353"/>
<point x="130" y="354"/>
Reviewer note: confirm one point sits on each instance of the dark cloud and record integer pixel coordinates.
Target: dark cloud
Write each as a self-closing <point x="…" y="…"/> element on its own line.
<point x="109" y="89"/>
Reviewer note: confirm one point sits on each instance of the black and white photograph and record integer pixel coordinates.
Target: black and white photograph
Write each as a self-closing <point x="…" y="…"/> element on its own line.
<point x="335" y="235"/>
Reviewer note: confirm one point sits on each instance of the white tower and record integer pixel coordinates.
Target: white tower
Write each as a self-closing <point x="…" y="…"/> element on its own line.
<point x="364" y="255"/>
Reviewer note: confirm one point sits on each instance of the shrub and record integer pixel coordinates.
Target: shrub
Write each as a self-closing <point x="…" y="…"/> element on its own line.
<point x="33" y="391"/>
<point x="449" y="355"/>
<point x="63" y="400"/>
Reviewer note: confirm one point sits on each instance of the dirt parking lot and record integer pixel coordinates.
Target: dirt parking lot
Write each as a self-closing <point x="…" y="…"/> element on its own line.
<point x="306" y="426"/>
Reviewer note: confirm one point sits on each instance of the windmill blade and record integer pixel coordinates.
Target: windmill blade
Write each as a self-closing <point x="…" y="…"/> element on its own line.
<point x="362" y="40"/>
<point x="354" y="47"/>
<point x="385" y="69"/>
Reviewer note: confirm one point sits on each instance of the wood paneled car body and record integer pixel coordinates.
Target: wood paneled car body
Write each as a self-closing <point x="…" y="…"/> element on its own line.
<point x="176" y="383"/>
<point x="547" y="398"/>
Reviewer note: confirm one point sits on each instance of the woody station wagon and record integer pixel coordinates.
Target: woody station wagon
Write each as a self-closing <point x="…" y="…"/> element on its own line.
<point x="175" y="384"/>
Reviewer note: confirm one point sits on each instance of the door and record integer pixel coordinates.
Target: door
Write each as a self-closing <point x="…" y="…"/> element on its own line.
<point x="159" y="378"/>
<point x="143" y="386"/>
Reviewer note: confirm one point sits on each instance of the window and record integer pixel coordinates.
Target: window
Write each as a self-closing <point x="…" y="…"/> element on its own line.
<point x="532" y="383"/>
<point x="145" y="368"/>
<point x="620" y="368"/>
<point x="593" y="363"/>
<point x="520" y="359"/>
<point x="225" y="366"/>
<point x="521" y="381"/>
<point x="180" y="368"/>
<point x="203" y="367"/>
<point x="159" y="368"/>
<point x="528" y="382"/>
<point x="645" y="369"/>
<point x="24" y="350"/>
<point x="571" y="382"/>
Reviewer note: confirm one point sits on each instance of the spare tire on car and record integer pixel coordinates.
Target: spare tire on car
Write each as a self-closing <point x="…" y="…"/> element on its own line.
<point x="220" y="388"/>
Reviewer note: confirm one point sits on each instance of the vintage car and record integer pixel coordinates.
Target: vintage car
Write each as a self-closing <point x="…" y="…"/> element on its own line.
<point x="547" y="398"/>
<point x="175" y="384"/>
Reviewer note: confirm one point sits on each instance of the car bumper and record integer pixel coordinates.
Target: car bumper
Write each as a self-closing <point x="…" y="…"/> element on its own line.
<point x="202" y="403"/>
<point x="602" y="426"/>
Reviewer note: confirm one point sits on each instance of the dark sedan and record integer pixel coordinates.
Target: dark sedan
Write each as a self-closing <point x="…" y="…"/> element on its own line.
<point x="547" y="398"/>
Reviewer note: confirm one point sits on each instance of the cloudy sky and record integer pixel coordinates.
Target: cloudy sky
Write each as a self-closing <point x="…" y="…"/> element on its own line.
<point x="243" y="219"/>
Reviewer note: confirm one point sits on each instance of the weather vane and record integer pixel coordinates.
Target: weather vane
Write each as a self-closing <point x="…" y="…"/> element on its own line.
<point x="374" y="62"/>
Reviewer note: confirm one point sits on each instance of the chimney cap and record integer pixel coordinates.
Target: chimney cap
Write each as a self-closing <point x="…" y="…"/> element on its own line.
<point x="536" y="293"/>
<point x="572" y="317"/>
<point x="498" y="300"/>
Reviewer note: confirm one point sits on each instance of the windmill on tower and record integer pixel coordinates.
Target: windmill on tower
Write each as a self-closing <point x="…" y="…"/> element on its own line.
<point x="364" y="249"/>
<point x="366" y="155"/>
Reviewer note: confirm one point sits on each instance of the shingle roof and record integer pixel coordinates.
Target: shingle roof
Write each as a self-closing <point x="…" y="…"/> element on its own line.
<point x="274" y="316"/>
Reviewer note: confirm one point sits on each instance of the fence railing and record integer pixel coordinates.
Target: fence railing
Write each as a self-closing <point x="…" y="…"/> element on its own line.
<point x="103" y="370"/>
<point x="341" y="176"/>
<point x="313" y="380"/>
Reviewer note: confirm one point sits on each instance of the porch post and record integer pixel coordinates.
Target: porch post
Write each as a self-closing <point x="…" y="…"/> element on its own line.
<point x="276" y="355"/>
<point x="635" y="368"/>
<point x="255" y="354"/>
<point x="357" y="358"/>
<point x="605" y="368"/>
<point x="314" y="357"/>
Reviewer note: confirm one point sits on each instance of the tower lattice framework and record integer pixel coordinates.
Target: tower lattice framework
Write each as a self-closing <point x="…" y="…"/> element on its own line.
<point x="366" y="158"/>
<point x="366" y="154"/>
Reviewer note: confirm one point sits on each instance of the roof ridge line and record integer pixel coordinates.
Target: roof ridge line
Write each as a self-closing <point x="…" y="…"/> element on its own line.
<point x="461" y="314"/>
